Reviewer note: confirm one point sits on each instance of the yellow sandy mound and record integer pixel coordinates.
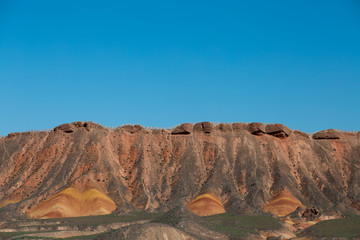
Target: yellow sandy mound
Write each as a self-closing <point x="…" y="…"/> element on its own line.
<point x="206" y="205"/>
<point x="9" y="201"/>
<point x="283" y="204"/>
<point x="73" y="203"/>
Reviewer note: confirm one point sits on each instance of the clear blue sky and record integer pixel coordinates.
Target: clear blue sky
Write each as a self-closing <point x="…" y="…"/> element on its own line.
<point x="161" y="63"/>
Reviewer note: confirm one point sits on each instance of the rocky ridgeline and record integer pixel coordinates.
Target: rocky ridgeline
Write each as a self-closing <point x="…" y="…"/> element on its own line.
<point x="277" y="130"/>
<point x="244" y="165"/>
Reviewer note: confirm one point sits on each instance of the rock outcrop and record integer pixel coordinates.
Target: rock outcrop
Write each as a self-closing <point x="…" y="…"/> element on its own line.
<point x="224" y="127"/>
<point x="327" y="134"/>
<point x="133" y="128"/>
<point x="256" y="128"/>
<point x="238" y="127"/>
<point x="277" y="130"/>
<point x="310" y="214"/>
<point x="243" y="165"/>
<point x="183" y="129"/>
<point x="71" y="127"/>
<point x="205" y="127"/>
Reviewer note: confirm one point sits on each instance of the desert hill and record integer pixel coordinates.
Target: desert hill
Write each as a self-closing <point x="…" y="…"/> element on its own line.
<point x="82" y="168"/>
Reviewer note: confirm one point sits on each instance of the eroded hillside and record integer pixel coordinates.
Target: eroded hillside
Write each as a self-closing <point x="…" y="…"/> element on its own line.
<point x="247" y="167"/>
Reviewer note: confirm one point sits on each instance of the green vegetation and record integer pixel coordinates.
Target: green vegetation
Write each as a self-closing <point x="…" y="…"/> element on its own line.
<point x="88" y="221"/>
<point x="31" y="237"/>
<point x="96" y="220"/>
<point x="14" y="234"/>
<point x="227" y="223"/>
<point x="24" y="235"/>
<point x="238" y="226"/>
<point x="88" y="236"/>
<point x="348" y="227"/>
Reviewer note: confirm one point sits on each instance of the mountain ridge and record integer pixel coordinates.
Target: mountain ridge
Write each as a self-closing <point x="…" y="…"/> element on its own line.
<point x="244" y="165"/>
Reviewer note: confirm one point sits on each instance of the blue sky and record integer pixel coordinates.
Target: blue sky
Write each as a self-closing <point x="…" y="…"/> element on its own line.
<point x="161" y="63"/>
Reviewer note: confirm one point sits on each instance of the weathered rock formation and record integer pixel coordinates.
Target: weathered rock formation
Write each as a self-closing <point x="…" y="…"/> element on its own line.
<point x="256" y="128"/>
<point x="73" y="203"/>
<point x="283" y="203"/>
<point x="184" y="129"/>
<point x="327" y="134"/>
<point x="206" y="204"/>
<point x="244" y="165"/>
<point x="277" y="130"/>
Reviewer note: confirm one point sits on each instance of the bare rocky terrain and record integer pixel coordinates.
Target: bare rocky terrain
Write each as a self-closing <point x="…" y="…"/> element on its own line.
<point x="83" y="169"/>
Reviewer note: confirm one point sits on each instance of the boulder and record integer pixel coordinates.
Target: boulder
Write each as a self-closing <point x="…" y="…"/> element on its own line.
<point x="183" y="129"/>
<point x="66" y="128"/>
<point x="238" y="127"/>
<point x="277" y="130"/>
<point x="225" y="127"/>
<point x="205" y="127"/>
<point x="327" y="134"/>
<point x="310" y="214"/>
<point x="256" y="128"/>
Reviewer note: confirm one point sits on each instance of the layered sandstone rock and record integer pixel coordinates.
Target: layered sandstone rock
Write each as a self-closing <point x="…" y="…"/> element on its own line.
<point x="206" y="205"/>
<point x="71" y="202"/>
<point x="283" y="203"/>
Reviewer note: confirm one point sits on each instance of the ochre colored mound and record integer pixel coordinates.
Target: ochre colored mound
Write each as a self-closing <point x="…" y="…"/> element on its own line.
<point x="73" y="203"/>
<point x="283" y="204"/>
<point x="206" y="205"/>
<point x="7" y="202"/>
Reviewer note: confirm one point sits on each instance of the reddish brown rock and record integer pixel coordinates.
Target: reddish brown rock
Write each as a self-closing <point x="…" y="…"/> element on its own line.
<point x="67" y="128"/>
<point x="71" y="127"/>
<point x="160" y="131"/>
<point x="327" y="134"/>
<point x="302" y="134"/>
<point x="183" y="129"/>
<point x="12" y="135"/>
<point x="238" y="127"/>
<point x="92" y="126"/>
<point x="277" y="130"/>
<point x="78" y="124"/>
<point x="133" y="128"/>
<point x="205" y="127"/>
<point x="256" y="128"/>
<point x="224" y="127"/>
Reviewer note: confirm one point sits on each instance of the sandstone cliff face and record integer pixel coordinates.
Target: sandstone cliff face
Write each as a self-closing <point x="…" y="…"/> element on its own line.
<point x="244" y="165"/>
